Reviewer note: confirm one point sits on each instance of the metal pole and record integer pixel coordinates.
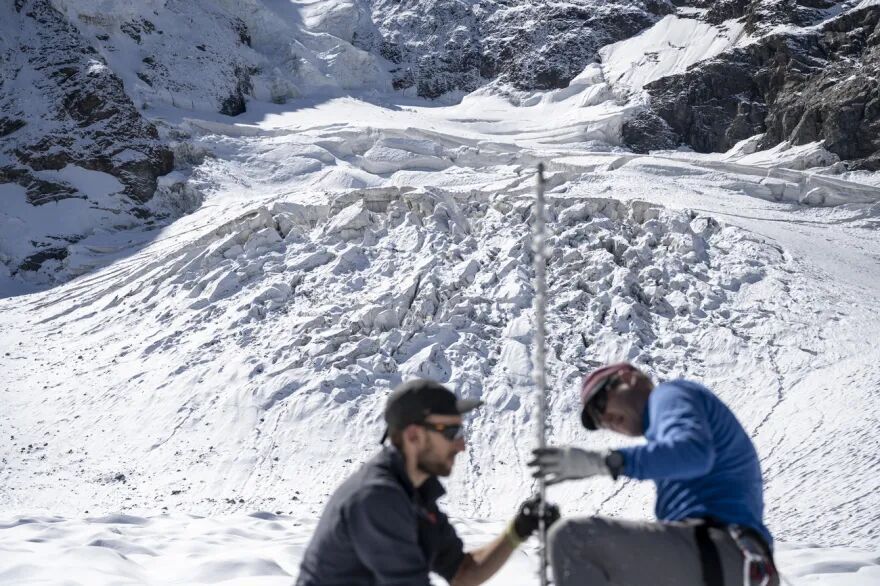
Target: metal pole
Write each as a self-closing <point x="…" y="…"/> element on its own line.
<point x="540" y="252"/>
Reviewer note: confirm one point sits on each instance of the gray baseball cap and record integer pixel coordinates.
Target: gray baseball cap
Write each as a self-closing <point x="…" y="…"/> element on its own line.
<point x="414" y="400"/>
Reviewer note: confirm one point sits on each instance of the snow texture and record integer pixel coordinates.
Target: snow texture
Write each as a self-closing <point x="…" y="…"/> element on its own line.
<point x="668" y="48"/>
<point x="265" y="548"/>
<point x="272" y="322"/>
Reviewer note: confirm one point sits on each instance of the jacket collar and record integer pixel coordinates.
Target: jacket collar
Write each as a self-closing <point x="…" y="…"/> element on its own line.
<point x="430" y="490"/>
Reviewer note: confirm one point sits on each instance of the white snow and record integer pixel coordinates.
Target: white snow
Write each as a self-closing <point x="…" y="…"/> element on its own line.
<point x="238" y="359"/>
<point x="264" y="549"/>
<point x="22" y="223"/>
<point x="668" y="48"/>
<point x="187" y="50"/>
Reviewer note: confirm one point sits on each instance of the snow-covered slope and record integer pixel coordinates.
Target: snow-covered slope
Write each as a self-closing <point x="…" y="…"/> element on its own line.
<point x="214" y="56"/>
<point x="331" y="261"/>
<point x="668" y="48"/>
<point x="82" y="156"/>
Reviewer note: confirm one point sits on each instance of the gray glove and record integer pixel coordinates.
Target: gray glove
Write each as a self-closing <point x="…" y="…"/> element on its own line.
<point x="559" y="464"/>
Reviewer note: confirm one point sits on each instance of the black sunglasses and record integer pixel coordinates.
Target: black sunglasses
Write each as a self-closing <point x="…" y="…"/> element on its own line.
<point x="595" y="407"/>
<point x="451" y="431"/>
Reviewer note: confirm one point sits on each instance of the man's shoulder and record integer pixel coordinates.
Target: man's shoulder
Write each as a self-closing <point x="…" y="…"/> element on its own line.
<point x="373" y="499"/>
<point x="681" y="393"/>
<point x="373" y="483"/>
<point x="375" y="489"/>
<point x="678" y="388"/>
<point x="678" y="394"/>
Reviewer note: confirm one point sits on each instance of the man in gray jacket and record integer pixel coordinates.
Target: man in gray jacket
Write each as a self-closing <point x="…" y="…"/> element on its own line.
<point x="382" y="526"/>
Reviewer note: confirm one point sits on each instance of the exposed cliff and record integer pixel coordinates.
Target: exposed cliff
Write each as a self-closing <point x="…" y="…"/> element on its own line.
<point x="438" y="46"/>
<point x="63" y="108"/>
<point x="798" y="85"/>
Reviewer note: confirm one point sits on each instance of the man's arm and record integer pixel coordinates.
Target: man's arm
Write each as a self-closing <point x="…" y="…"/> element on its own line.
<point x="481" y="564"/>
<point x="382" y="527"/>
<point x="682" y="447"/>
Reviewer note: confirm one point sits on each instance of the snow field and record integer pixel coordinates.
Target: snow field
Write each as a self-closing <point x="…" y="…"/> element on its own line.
<point x="668" y="48"/>
<point x="264" y="549"/>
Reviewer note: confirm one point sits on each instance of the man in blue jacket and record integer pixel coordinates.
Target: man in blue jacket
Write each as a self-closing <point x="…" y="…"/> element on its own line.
<point x="382" y="526"/>
<point x="710" y="503"/>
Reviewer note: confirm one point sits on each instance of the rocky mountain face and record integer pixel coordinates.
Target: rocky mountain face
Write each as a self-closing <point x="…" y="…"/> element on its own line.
<point x="60" y="106"/>
<point x="179" y="53"/>
<point x="438" y="46"/>
<point x="763" y="15"/>
<point x="820" y="82"/>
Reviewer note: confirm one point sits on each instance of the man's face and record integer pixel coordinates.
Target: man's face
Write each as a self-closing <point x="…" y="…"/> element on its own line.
<point x="624" y="411"/>
<point x="436" y="456"/>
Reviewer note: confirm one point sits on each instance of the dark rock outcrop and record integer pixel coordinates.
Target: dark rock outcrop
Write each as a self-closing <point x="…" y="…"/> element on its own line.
<point x="818" y="84"/>
<point x="434" y="45"/>
<point x="439" y="46"/>
<point x="60" y="106"/>
<point x="648" y="132"/>
<point x="236" y="103"/>
<point x="764" y="14"/>
<point x="81" y="115"/>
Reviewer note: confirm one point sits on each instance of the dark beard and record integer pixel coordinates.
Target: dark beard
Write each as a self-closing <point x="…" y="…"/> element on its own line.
<point x="433" y="466"/>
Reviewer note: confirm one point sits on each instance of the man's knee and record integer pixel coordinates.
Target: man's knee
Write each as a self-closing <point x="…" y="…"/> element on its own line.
<point x="574" y="533"/>
<point x="558" y="535"/>
<point x="575" y="550"/>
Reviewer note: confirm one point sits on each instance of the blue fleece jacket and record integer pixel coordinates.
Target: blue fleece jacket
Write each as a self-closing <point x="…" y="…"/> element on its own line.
<point x="700" y="457"/>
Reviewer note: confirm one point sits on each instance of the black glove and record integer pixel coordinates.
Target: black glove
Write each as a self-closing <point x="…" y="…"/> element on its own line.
<point x="526" y="521"/>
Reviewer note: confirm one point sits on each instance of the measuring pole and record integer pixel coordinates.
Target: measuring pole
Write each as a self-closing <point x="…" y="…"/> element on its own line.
<point x="540" y="255"/>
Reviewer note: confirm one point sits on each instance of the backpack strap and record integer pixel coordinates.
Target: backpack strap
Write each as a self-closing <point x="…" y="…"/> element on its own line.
<point x="710" y="560"/>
